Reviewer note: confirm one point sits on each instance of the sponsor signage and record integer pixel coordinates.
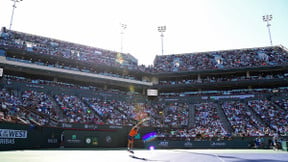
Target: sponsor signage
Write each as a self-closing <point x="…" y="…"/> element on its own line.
<point x="91" y="141"/>
<point x="8" y="136"/>
<point x="11" y="133"/>
<point x="90" y="126"/>
<point x="115" y="127"/>
<point x="108" y="139"/>
<point x="73" y="139"/>
<point x="163" y="143"/>
<point x="66" y="125"/>
<point x="7" y="141"/>
<point x="52" y="140"/>
<point x="188" y="144"/>
<point x="198" y="144"/>
<point x="218" y="143"/>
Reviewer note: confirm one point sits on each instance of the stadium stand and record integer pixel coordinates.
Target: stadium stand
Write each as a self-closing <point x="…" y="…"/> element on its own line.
<point x="202" y="96"/>
<point x="231" y="59"/>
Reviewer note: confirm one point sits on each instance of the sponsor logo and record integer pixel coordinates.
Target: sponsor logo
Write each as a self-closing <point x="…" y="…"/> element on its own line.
<point x="94" y="141"/>
<point x="88" y="140"/>
<point x="73" y="139"/>
<point x="8" y="136"/>
<point x="108" y="139"/>
<point x="218" y="144"/>
<point x="91" y="140"/>
<point x="188" y="144"/>
<point x="115" y="126"/>
<point x="11" y="133"/>
<point x="52" y="140"/>
<point x="7" y="141"/>
<point x="163" y="143"/>
<point x="87" y="126"/>
<point x="65" y="125"/>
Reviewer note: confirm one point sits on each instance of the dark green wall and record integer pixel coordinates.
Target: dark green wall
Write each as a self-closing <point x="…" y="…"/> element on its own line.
<point x="11" y="136"/>
<point x="19" y="136"/>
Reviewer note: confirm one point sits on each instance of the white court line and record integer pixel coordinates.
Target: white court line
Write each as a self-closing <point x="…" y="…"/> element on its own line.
<point x="222" y="160"/>
<point x="216" y="155"/>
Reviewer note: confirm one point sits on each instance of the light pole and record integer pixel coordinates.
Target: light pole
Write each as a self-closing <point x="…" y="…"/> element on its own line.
<point x="123" y="27"/>
<point x="268" y="18"/>
<point x="14" y="6"/>
<point x="162" y="29"/>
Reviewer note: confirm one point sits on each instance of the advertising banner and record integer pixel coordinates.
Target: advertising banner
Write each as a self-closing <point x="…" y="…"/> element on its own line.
<point x="198" y="144"/>
<point x="8" y="136"/>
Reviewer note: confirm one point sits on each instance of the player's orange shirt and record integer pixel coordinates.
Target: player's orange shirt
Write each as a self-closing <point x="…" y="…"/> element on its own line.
<point x="133" y="132"/>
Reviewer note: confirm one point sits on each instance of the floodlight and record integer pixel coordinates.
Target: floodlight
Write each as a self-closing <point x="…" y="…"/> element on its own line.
<point x="267" y="19"/>
<point x="13" y="8"/>
<point x="162" y="29"/>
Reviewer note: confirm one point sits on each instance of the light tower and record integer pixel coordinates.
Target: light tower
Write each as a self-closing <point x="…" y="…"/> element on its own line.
<point x="267" y="19"/>
<point x="162" y="29"/>
<point x="13" y="8"/>
<point x="123" y="27"/>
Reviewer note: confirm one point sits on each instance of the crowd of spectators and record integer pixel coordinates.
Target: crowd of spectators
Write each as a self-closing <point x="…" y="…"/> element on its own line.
<point x="40" y="84"/>
<point x="242" y="120"/>
<point x="207" y="124"/>
<point x="213" y="79"/>
<point x="243" y="123"/>
<point x="207" y="121"/>
<point x="40" y="102"/>
<point x="275" y="117"/>
<point x="9" y="103"/>
<point x="175" y="115"/>
<point x="12" y="110"/>
<point x="283" y="103"/>
<point x="102" y="110"/>
<point x="62" y="49"/>
<point x="75" y="110"/>
<point x="242" y="58"/>
<point x="109" y="111"/>
<point x="229" y="59"/>
<point x="39" y="107"/>
<point x="36" y="107"/>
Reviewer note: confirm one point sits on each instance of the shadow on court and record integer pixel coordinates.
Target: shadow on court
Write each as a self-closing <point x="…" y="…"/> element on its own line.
<point x="242" y="157"/>
<point x="145" y="159"/>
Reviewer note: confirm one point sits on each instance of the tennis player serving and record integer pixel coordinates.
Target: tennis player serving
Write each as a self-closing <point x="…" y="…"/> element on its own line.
<point x="133" y="132"/>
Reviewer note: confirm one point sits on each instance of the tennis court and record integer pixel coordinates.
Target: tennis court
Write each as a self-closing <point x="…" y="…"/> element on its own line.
<point x="173" y="155"/>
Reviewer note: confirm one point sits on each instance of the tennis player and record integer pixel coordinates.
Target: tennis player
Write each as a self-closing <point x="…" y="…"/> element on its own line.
<point x="133" y="132"/>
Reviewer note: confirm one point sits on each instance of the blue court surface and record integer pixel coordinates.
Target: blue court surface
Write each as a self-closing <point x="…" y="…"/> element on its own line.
<point x="173" y="155"/>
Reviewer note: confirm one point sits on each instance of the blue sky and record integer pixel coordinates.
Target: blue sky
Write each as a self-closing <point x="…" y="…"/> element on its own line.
<point x="192" y="25"/>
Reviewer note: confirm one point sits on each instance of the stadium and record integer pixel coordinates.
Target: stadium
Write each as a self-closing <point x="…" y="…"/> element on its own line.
<point x="60" y="94"/>
<point x="61" y="100"/>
